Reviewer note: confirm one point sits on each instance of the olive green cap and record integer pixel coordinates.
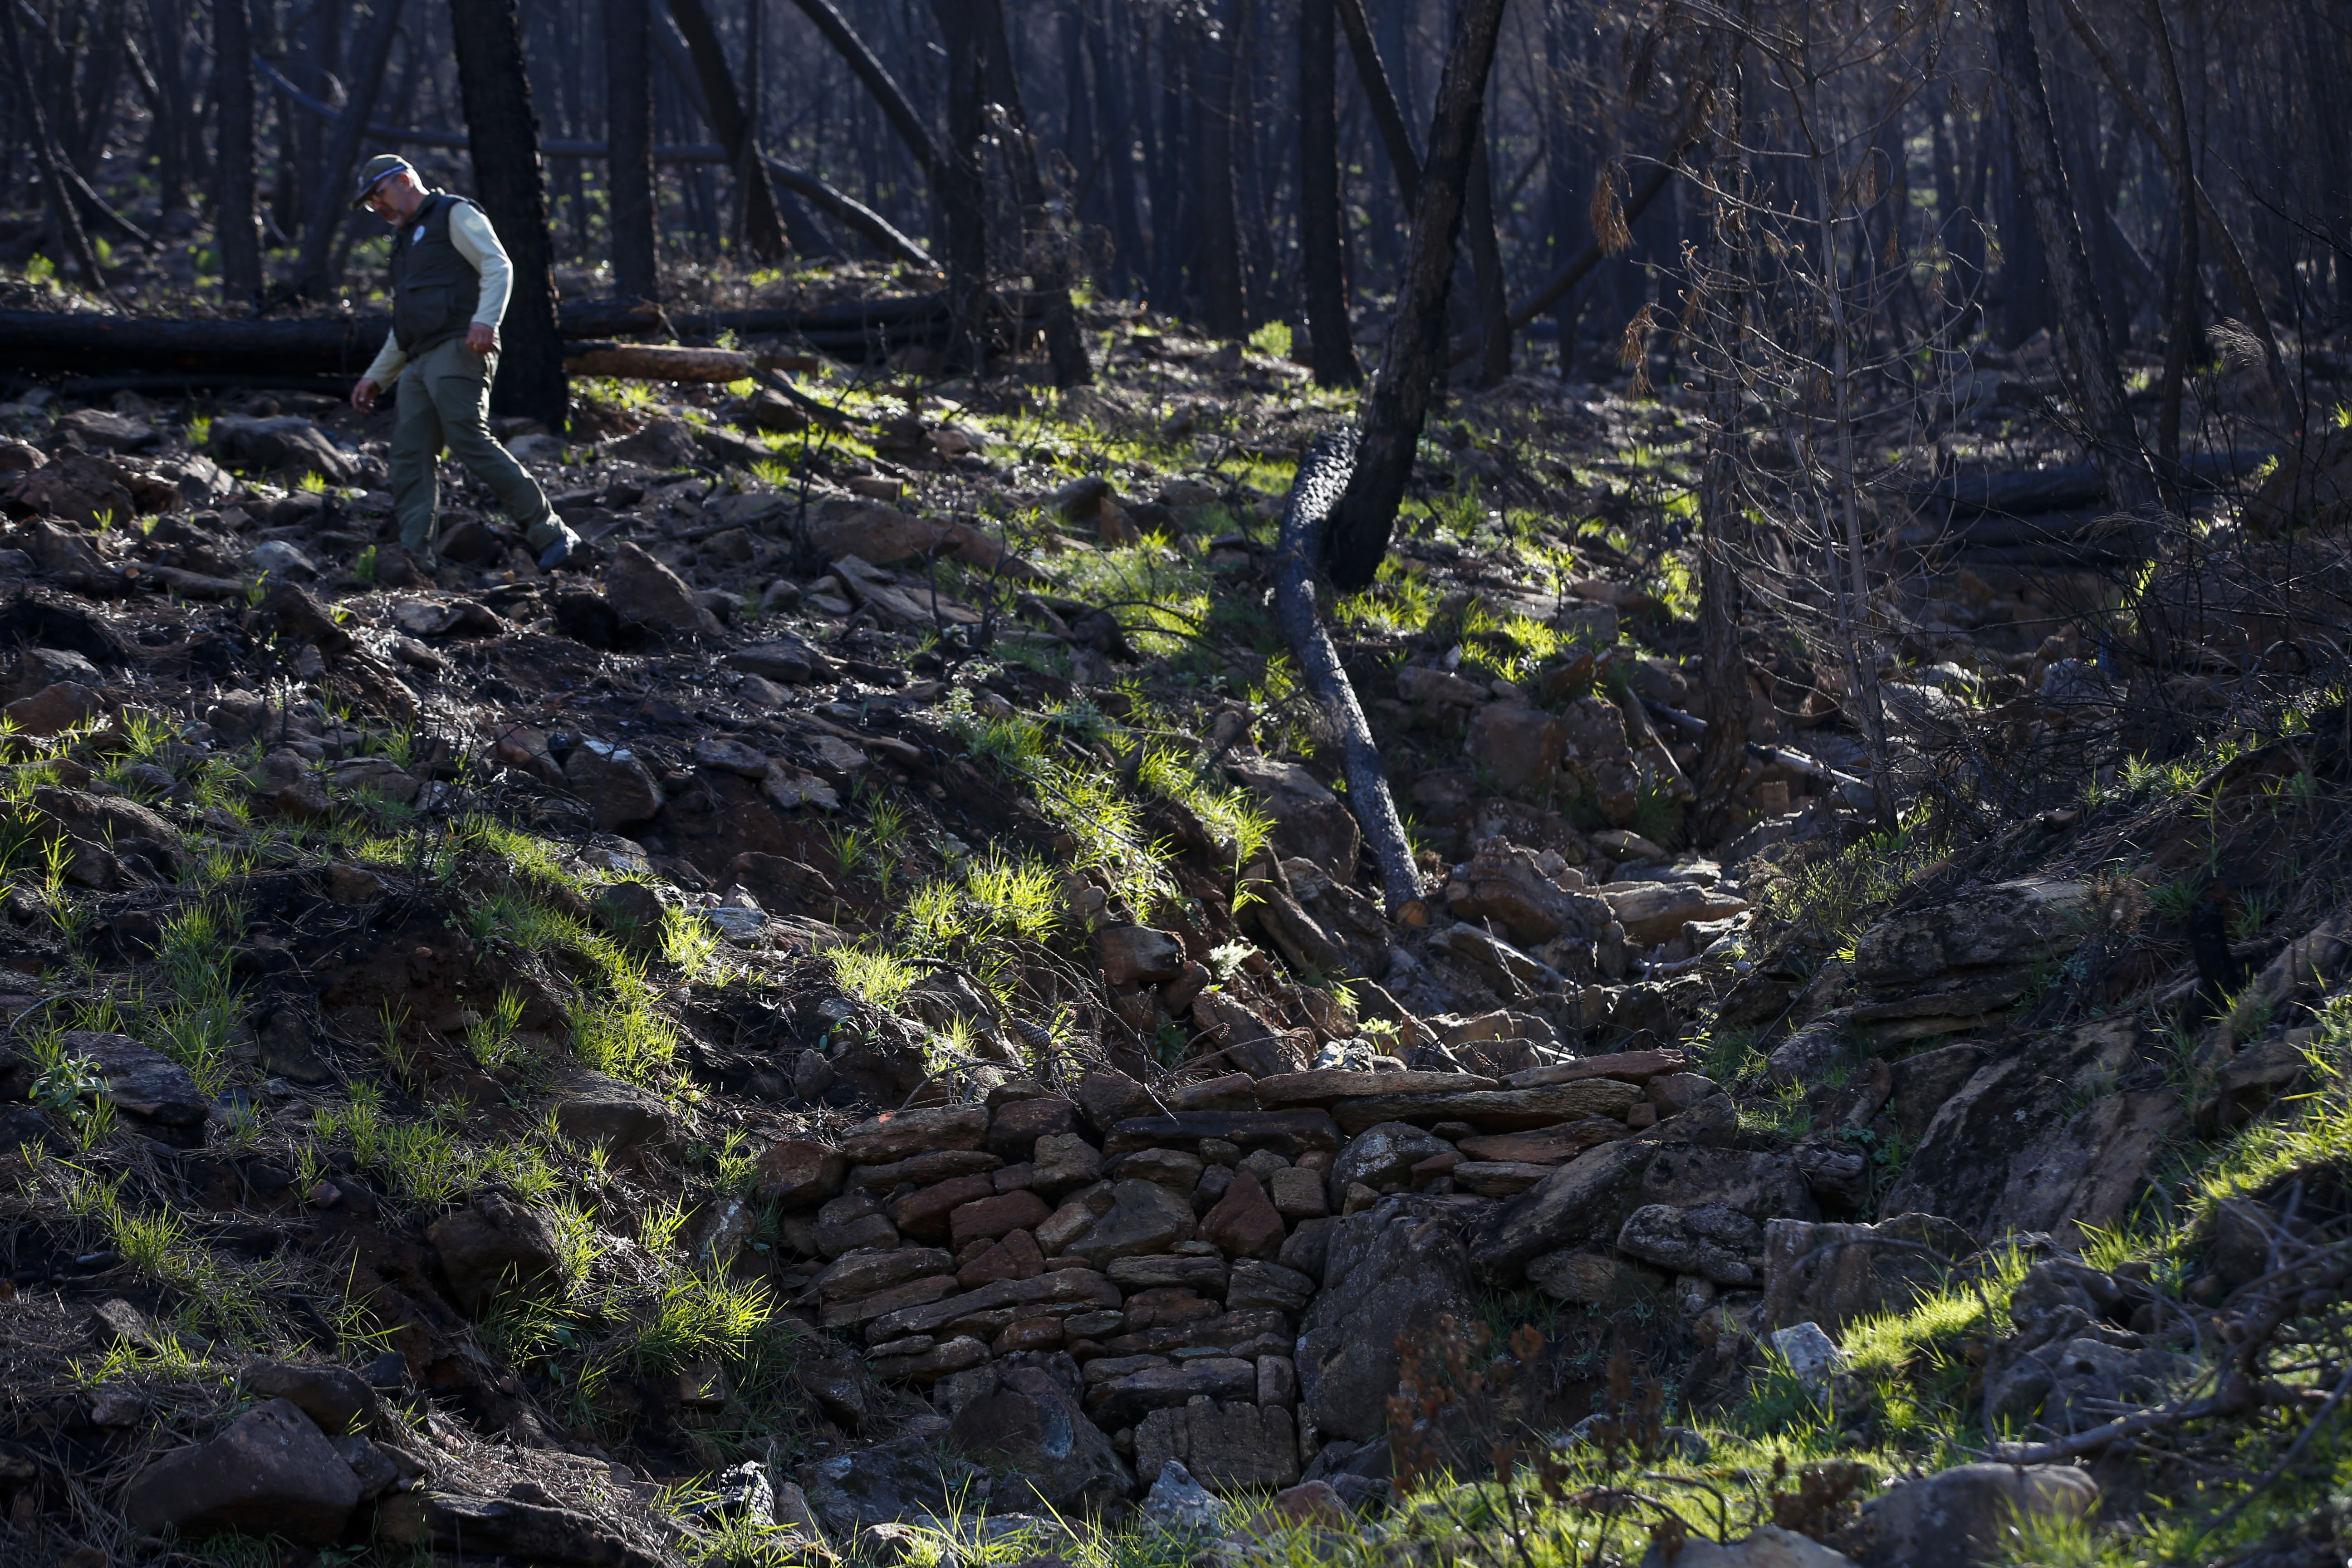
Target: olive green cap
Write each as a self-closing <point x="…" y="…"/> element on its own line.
<point x="376" y="170"/>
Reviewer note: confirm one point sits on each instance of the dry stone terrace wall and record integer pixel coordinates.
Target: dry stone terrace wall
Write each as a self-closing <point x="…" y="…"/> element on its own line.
<point x="1220" y="1279"/>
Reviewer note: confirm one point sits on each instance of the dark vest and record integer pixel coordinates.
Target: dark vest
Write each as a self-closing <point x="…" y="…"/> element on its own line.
<point x="434" y="289"/>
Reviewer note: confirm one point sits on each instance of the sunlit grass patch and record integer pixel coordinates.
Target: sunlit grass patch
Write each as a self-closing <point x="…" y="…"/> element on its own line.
<point x="872" y="973"/>
<point x="621" y="1034"/>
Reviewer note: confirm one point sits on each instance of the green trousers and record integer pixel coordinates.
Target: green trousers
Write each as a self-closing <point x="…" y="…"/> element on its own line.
<point x="445" y="401"/>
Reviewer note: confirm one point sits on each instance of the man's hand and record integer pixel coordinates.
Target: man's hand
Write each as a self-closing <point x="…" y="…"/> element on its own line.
<point x="364" y="396"/>
<point x="481" y="339"/>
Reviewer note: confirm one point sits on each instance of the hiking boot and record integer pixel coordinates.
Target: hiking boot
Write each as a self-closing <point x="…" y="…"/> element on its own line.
<point x="559" y="552"/>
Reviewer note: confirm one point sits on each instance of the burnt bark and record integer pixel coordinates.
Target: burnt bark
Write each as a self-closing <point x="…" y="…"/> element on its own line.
<point x="234" y="196"/>
<point x="1322" y="477"/>
<point x="2085" y="352"/>
<point x="1322" y="229"/>
<point x="911" y="127"/>
<point x="763" y="225"/>
<point x="314" y="273"/>
<point x="1108" y="38"/>
<point x="1723" y="520"/>
<point x="1411" y="362"/>
<point x="2185" y="287"/>
<point x="1043" y="240"/>
<point x="2178" y="157"/>
<point x="1226" y="305"/>
<point x="503" y="131"/>
<point x="1396" y="137"/>
<point x="962" y="197"/>
<point x="55" y="181"/>
<point x="1486" y="269"/>
<point x="629" y="142"/>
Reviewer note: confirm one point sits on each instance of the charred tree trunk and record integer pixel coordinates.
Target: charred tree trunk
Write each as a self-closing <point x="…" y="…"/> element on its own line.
<point x="314" y="276"/>
<point x="1954" y="226"/>
<point x="2088" y="358"/>
<point x="1322" y="478"/>
<point x="1486" y="269"/>
<point x="763" y="225"/>
<point x="1089" y="205"/>
<point x="1323" y="239"/>
<point x="1046" y="245"/>
<point x="240" y="246"/>
<point x="1171" y="223"/>
<point x="629" y="138"/>
<point x="503" y="129"/>
<point x="56" y="183"/>
<point x="1116" y="135"/>
<point x="1227" y="313"/>
<point x="2185" y="287"/>
<point x="1396" y="137"/>
<point x="1723" y="521"/>
<point x="962" y="197"/>
<point x="2025" y="280"/>
<point x="1416" y="351"/>
<point x="912" y="128"/>
<point x="2180" y="157"/>
<point x="1565" y="175"/>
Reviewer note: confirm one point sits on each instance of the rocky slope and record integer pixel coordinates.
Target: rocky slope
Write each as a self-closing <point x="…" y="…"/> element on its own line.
<point x="854" y="1021"/>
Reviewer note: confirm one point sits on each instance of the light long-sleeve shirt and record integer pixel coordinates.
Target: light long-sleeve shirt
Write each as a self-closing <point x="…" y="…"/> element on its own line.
<point x="475" y="240"/>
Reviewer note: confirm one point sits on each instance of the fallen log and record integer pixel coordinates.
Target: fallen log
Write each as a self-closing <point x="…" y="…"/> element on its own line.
<point x="87" y="344"/>
<point x="1795" y="761"/>
<point x="645" y="361"/>
<point x="1967" y="496"/>
<point x="1321" y="480"/>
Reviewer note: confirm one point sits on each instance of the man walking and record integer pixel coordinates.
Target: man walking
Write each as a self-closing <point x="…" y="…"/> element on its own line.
<point x="449" y="283"/>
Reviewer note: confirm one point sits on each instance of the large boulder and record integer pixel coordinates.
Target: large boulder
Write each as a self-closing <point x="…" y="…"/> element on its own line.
<point x="1392" y="1272"/>
<point x="1308" y="819"/>
<point x="1383" y="1156"/>
<point x="594" y="1108"/>
<point x="2014" y="923"/>
<point x="108" y="834"/>
<point x="1506" y="883"/>
<point x="494" y="1246"/>
<point x="1144" y="1217"/>
<point x="1963" y="1517"/>
<point x="273" y="1472"/>
<point x="1834" y="1274"/>
<point x="336" y="1399"/>
<point x="1769" y="1547"/>
<point x="1031" y="1426"/>
<point x="1760" y="1185"/>
<point x="1585" y="1200"/>
<point x="800" y="1172"/>
<point x="2038" y="1139"/>
<point x="1518" y="746"/>
<point x="284" y="443"/>
<point x="1244" y="1222"/>
<point x="646" y="592"/>
<point x="142" y="1081"/>
<point x="1226" y="1446"/>
<point x="511" y="1528"/>
<point x="903" y="1478"/>
<point x="615" y="782"/>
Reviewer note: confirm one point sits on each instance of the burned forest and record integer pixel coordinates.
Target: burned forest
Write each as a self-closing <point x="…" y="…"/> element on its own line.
<point x="1175" y="783"/>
